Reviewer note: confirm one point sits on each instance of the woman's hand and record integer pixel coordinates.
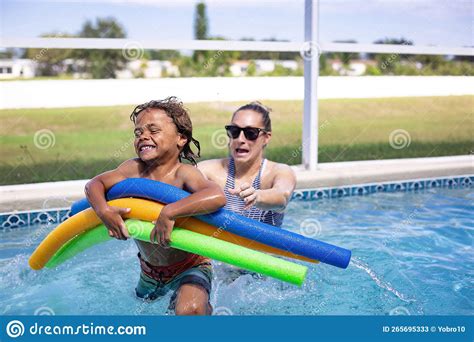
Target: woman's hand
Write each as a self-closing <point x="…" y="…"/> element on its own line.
<point x="161" y="233"/>
<point x="248" y="193"/>
<point x="112" y="217"/>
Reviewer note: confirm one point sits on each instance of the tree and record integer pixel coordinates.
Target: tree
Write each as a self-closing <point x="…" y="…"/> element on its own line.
<point x="200" y="22"/>
<point x="8" y="53"/>
<point x="391" y="41"/>
<point x="345" y="57"/>
<point x="251" y="69"/>
<point x="390" y="63"/>
<point x="200" y="30"/>
<point x="102" y="63"/>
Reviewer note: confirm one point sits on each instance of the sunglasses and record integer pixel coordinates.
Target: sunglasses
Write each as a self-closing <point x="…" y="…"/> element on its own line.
<point x="250" y="133"/>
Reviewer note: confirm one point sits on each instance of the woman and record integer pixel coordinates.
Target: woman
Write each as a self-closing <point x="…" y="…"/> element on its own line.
<point x="254" y="186"/>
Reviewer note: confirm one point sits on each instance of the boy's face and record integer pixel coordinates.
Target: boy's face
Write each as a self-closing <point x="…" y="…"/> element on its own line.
<point x="156" y="136"/>
<point x="241" y="148"/>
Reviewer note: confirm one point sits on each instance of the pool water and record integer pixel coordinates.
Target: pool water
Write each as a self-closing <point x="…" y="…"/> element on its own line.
<point x="412" y="255"/>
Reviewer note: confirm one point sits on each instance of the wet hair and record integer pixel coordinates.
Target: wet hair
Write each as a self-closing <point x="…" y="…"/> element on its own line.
<point x="259" y="108"/>
<point x="174" y="108"/>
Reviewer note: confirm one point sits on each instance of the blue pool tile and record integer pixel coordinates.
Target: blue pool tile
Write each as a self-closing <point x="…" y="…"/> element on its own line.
<point x="43" y="217"/>
<point x="417" y="185"/>
<point x="63" y="215"/>
<point x="15" y="220"/>
<point x="298" y="195"/>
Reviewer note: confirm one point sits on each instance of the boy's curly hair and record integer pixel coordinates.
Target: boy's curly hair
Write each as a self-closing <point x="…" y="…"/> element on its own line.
<point x="174" y="108"/>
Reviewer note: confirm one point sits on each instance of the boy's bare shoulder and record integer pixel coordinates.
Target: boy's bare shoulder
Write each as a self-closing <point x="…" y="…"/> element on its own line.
<point x="131" y="167"/>
<point x="187" y="170"/>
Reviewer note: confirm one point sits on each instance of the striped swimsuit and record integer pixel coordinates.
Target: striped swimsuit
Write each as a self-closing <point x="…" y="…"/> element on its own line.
<point x="237" y="204"/>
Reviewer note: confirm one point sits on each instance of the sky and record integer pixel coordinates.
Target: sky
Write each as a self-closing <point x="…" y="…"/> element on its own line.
<point x="426" y="22"/>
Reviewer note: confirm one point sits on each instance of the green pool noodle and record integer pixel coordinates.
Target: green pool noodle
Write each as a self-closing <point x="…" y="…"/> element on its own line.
<point x="191" y="242"/>
<point x="79" y="244"/>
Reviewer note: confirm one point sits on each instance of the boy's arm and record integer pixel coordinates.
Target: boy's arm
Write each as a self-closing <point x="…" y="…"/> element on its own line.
<point x="96" y="189"/>
<point x="206" y="197"/>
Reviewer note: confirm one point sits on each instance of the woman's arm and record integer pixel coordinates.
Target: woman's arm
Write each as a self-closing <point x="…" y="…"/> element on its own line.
<point x="276" y="198"/>
<point x="206" y="197"/>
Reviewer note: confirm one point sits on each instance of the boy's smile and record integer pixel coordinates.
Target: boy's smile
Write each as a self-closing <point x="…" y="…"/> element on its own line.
<point x="145" y="147"/>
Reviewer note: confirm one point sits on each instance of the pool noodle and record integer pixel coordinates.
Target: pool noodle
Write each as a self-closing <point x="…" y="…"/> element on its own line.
<point x="230" y="221"/>
<point x="193" y="243"/>
<point x="140" y="209"/>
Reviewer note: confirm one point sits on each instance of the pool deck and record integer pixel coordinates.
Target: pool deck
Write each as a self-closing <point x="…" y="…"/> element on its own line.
<point x="62" y="194"/>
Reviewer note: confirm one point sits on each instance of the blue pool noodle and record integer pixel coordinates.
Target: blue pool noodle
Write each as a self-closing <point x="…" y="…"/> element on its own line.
<point x="229" y="221"/>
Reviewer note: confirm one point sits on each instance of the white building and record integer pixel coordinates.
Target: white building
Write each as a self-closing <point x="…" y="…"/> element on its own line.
<point x="17" y="68"/>
<point x="239" y="68"/>
<point x="148" y="69"/>
<point x="355" y="67"/>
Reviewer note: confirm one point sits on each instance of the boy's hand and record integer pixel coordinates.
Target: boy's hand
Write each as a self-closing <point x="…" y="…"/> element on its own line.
<point x="161" y="234"/>
<point x="112" y="219"/>
<point x="248" y="193"/>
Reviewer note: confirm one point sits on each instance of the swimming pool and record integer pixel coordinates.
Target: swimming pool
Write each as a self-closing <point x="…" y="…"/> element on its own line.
<point x="412" y="255"/>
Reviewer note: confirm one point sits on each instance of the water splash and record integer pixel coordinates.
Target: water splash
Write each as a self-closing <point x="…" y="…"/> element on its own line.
<point x="379" y="281"/>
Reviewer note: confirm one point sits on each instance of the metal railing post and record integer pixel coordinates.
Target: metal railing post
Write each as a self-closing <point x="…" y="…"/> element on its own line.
<point x="311" y="73"/>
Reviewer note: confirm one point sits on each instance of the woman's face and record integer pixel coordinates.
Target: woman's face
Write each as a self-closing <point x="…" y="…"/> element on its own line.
<point x="241" y="148"/>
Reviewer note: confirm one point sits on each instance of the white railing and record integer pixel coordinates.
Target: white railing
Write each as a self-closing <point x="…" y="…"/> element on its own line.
<point x="309" y="46"/>
<point x="225" y="45"/>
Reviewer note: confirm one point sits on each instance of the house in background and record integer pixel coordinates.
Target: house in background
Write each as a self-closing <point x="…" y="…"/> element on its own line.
<point x="239" y="68"/>
<point x="355" y="67"/>
<point x="17" y="68"/>
<point x="148" y="69"/>
<point x="262" y="66"/>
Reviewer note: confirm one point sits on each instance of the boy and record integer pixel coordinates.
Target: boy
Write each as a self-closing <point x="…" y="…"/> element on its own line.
<point x="163" y="133"/>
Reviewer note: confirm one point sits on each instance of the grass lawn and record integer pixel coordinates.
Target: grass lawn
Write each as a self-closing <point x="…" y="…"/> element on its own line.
<point x="81" y="142"/>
